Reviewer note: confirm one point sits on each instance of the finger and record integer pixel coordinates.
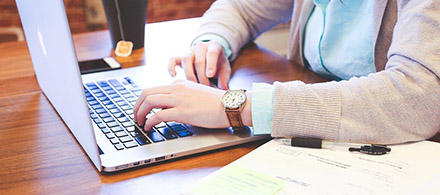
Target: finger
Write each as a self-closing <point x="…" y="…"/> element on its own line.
<point x="176" y="61"/>
<point x="147" y="92"/>
<point x="224" y="74"/>
<point x="188" y="66"/>
<point x="212" y="57"/>
<point x="161" y="116"/>
<point x="153" y="101"/>
<point x="200" y="63"/>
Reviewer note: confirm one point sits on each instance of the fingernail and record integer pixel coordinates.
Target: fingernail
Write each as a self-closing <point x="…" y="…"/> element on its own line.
<point x="209" y="73"/>
<point x="172" y="73"/>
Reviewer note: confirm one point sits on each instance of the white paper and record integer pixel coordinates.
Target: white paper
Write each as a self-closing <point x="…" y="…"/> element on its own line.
<point x="408" y="169"/>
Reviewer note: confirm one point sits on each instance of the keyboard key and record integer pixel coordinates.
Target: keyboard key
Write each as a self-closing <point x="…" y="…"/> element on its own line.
<point x="142" y="140"/>
<point x="124" y="92"/>
<point x="119" y="115"/>
<point x="97" y="120"/>
<point x="110" y="136"/>
<point x="91" y="85"/>
<point x="179" y="127"/>
<point x="100" y="111"/>
<point x="119" y="88"/>
<point x="131" y="128"/>
<point x="104" y="115"/>
<point x="99" y="95"/>
<point x="111" y="92"/>
<point x="121" y="134"/>
<point x="115" y="95"/>
<point x="117" y="129"/>
<point x="128" y="79"/>
<point x="93" y="102"/>
<point x="108" y="119"/>
<point x="127" y="124"/>
<point x="112" y="124"/>
<point x="102" y="83"/>
<point x="167" y="133"/>
<point x="105" y="130"/>
<point x="114" y="82"/>
<point x="129" y="111"/>
<point x="93" y="116"/>
<point x="107" y="102"/>
<point x="103" y="98"/>
<point x="122" y="103"/>
<point x="97" y="106"/>
<point x="90" y="98"/>
<point x="184" y="133"/>
<point x="154" y="136"/>
<point x="101" y="125"/>
<point x="119" y="146"/>
<point x="107" y="88"/>
<point x="126" y="107"/>
<point x="96" y="91"/>
<point x="111" y="106"/>
<point x="137" y="133"/>
<point x="115" y="110"/>
<point x="125" y="139"/>
<point x="118" y="99"/>
<point x="123" y="119"/>
<point x="160" y="125"/>
<point x="172" y="123"/>
<point x="114" y="141"/>
<point x="128" y="96"/>
<point x="131" y="144"/>
<point x="132" y="99"/>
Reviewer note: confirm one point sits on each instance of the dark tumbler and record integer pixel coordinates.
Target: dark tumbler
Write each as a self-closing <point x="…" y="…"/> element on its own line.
<point x="131" y="16"/>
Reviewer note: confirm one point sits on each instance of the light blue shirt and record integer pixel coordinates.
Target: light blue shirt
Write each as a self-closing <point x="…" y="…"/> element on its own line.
<point x="338" y="44"/>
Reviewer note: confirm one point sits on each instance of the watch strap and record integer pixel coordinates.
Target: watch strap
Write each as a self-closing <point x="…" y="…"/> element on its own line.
<point x="234" y="118"/>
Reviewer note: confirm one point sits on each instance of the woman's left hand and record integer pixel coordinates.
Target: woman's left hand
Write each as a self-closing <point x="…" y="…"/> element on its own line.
<point x="184" y="102"/>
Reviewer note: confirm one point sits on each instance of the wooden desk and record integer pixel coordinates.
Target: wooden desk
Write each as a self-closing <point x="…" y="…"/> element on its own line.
<point x="39" y="155"/>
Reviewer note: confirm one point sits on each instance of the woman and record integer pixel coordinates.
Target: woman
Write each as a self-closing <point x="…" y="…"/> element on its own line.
<point x="382" y="55"/>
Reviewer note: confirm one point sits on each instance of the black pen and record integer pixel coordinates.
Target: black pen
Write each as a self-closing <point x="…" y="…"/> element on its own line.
<point x="373" y="149"/>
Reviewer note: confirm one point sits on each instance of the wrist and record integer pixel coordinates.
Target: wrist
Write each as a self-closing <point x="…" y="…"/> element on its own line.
<point x="246" y="113"/>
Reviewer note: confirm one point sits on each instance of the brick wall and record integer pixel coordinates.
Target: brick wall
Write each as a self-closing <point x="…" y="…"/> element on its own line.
<point x="87" y="15"/>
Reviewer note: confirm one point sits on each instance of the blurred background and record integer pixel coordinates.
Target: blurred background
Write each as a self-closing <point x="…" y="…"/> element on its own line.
<point x="88" y="15"/>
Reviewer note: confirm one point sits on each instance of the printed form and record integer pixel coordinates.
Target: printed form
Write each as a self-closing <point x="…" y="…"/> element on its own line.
<point x="276" y="168"/>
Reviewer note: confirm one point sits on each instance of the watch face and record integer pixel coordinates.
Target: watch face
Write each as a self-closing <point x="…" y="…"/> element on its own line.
<point x="234" y="99"/>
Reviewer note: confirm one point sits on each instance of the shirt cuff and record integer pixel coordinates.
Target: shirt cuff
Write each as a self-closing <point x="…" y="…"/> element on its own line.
<point x="262" y="108"/>
<point x="211" y="36"/>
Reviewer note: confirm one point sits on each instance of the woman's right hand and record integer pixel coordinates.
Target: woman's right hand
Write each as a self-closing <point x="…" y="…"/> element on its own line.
<point x="203" y="61"/>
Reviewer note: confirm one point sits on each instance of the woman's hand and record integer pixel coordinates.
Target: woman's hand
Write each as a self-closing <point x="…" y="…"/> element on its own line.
<point x="203" y="61"/>
<point x="184" y="102"/>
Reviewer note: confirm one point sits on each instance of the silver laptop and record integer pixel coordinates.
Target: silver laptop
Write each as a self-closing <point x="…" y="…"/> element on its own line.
<point x="97" y="108"/>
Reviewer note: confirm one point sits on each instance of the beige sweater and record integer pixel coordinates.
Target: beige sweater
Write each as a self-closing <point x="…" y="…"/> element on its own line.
<point x="398" y="103"/>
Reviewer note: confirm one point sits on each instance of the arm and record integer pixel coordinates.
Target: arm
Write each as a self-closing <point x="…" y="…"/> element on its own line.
<point x="232" y="23"/>
<point x="396" y="105"/>
<point x="240" y="21"/>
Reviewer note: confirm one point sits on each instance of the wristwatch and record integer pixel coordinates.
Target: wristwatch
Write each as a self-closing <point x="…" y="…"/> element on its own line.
<point x="234" y="101"/>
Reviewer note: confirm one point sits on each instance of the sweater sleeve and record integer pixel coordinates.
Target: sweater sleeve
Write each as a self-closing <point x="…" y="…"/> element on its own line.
<point x="398" y="104"/>
<point x="240" y="21"/>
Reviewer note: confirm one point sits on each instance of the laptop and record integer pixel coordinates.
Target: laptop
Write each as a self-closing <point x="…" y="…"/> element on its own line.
<point x="98" y="107"/>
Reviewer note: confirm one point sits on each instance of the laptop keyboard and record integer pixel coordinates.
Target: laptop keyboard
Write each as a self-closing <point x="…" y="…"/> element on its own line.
<point x="111" y="105"/>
